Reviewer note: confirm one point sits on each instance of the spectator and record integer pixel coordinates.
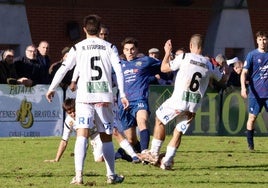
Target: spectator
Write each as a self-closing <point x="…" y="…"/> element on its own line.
<point x="161" y="78"/>
<point x="177" y="53"/>
<point x="104" y="32"/>
<point x="27" y="66"/>
<point x="55" y="66"/>
<point x="43" y="58"/>
<point x="8" y="73"/>
<point x="154" y="53"/>
<point x="180" y="51"/>
<point x="220" y="61"/>
<point x="236" y="70"/>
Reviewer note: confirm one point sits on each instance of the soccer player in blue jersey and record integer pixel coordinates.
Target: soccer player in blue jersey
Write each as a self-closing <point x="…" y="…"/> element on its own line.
<point x="255" y="71"/>
<point x="137" y="71"/>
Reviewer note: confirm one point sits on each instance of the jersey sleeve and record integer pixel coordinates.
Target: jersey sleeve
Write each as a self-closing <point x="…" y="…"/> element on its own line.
<point x="248" y="61"/>
<point x="175" y="63"/>
<point x="67" y="65"/>
<point x="67" y="128"/>
<point x="118" y="71"/>
<point x="75" y="74"/>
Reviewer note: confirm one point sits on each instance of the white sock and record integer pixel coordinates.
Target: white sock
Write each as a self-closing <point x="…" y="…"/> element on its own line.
<point x="108" y="155"/>
<point x="80" y="154"/>
<point x="156" y="146"/>
<point x="170" y="154"/>
<point x="127" y="147"/>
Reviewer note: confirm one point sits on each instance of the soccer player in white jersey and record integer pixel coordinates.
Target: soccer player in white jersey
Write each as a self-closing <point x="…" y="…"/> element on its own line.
<point x="190" y="85"/>
<point x="94" y="59"/>
<point x="69" y="126"/>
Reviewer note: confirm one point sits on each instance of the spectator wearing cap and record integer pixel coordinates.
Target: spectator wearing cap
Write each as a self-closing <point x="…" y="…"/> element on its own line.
<point x="154" y="53"/>
<point x="55" y="66"/>
<point x="220" y="61"/>
<point x="236" y="66"/>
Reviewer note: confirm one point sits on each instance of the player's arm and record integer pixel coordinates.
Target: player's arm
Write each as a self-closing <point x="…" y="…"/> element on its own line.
<point x="75" y="77"/>
<point x="243" y="79"/>
<point x="61" y="72"/>
<point x="62" y="147"/>
<point x="165" y="63"/>
<point x="119" y="76"/>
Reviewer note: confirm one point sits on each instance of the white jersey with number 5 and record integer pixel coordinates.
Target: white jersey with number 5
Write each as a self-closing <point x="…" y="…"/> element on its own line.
<point x="94" y="59"/>
<point x="192" y="80"/>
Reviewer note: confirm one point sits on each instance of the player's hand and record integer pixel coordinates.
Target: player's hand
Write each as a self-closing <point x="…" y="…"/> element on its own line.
<point x="50" y="95"/>
<point x="190" y="116"/>
<point x="125" y="102"/>
<point x="168" y="47"/>
<point x="244" y="94"/>
<point x="73" y="86"/>
<point x="50" y="161"/>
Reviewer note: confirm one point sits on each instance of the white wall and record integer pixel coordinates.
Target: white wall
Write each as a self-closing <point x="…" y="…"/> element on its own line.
<point x="14" y="27"/>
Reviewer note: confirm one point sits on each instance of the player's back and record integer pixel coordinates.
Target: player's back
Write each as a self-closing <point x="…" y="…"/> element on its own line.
<point x="94" y="59"/>
<point x="192" y="80"/>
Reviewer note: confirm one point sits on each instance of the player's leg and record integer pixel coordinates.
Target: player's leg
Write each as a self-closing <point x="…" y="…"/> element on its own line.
<point x="106" y="116"/>
<point x="84" y="112"/>
<point x="142" y="121"/>
<point x="125" y="146"/>
<point x="254" y="108"/>
<point x="250" y="130"/>
<point x="164" y="114"/>
<point x="167" y="161"/>
<point x="96" y="144"/>
<point x="184" y="119"/>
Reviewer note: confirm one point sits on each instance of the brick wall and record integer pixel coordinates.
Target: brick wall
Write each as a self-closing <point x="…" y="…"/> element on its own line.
<point x="258" y="15"/>
<point x="151" y="22"/>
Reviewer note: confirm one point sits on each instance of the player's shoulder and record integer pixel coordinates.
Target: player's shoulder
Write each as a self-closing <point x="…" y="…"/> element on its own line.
<point x="69" y="121"/>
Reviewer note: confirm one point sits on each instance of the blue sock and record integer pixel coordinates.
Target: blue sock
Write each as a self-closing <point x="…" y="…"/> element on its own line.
<point x="250" y="134"/>
<point x="144" y="139"/>
<point x="137" y="147"/>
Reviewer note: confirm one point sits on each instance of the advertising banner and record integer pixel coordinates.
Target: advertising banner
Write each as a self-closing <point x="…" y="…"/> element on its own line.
<point x="222" y="113"/>
<point x="25" y="112"/>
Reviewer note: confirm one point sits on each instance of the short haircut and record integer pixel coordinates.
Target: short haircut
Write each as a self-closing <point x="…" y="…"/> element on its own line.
<point x="261" y="34"/>
<point x="197" y="39"/>
<point x="129" y="40"/>
<point x="92" y="24"/>
<point x="68" y="104"/>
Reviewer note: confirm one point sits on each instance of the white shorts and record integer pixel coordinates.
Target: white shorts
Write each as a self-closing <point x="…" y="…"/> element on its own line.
<point x="100" y="114"/>
<point x="167" y="112"/>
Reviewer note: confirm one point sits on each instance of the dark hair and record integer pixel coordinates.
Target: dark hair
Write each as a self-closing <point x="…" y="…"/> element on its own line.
<point x="5" y="51"/>
<point x="68" y="104"/>
<point x="129" y="40"/>
<point x="261" y="34"/>
<point x="92" y="24"/>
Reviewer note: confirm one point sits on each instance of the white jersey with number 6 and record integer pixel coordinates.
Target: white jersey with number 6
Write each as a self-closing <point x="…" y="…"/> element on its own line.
<point x="192" y="80"/>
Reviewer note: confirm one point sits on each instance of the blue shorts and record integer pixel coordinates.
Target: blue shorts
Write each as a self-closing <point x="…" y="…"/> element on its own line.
<point x="255" y="105"/>
<point x="128" y="117"/>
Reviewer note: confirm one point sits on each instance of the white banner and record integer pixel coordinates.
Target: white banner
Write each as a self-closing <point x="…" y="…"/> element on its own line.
<point x="25" y="112"/>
